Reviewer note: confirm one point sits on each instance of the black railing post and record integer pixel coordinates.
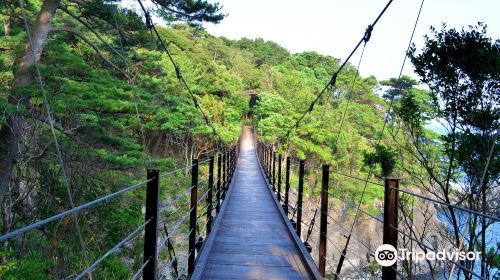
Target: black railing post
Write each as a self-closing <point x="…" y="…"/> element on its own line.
<point x="210" y="195"/>
<point x="264" y="157"/>
<point x="219" y="161"/>
<point x="224" y="176"/>
<point x="192" y="216"/>
<point x="390" y="223"/>
<point x="274" y="171"/>
<point x="270" y="169"/>
<point x="259" y="151"/>
<point x="269" y="154"/>
<point x="226" y="173"/>
<point x="323" y="219"/>
<point x="229" y="166"/>
<point x="287" y="183"/>
<point x="233" y="162"/>
<point x="151" y="229"/>
<point x="299" y="197"/>
<point x="279" y="178"/>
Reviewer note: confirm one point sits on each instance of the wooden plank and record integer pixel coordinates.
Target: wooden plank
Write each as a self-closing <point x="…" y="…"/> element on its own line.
<point x="222" y="271"/>
<point x="252" y="260"/>
<point x="251" y="240"/>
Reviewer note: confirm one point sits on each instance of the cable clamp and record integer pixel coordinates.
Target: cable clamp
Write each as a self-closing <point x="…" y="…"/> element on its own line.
<point x="311" y="107"/>
<point x="149" y="21"/>
<point x="333" y="81"/>
<point x="195" y="101"/>
<point x="368" y="33"/>
<point x="178" y="72"/>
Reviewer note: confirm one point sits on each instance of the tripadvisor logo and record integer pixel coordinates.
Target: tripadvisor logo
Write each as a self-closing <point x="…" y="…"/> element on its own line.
<point x="387" y="255"/>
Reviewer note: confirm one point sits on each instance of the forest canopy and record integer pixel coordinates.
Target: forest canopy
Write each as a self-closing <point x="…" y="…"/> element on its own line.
<point x="111" y="104"/>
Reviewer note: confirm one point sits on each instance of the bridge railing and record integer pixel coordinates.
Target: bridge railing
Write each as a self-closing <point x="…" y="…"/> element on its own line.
<point x="310" y="218"/>
<point x="164" y="222"/>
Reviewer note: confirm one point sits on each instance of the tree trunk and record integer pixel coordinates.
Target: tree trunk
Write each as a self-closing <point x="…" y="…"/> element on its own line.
<point x="6" y="26"/>
<point x="10" y="133"/>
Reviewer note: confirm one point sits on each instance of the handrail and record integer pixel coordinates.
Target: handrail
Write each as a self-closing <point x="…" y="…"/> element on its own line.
<point x="152" y="201"/>
<point x="69" y="212"/>
<point x="267" y="155"/>
<point x="497" y="219"/>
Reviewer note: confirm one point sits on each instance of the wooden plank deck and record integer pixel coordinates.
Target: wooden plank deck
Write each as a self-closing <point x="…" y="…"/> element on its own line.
<point x="250" y="239"/>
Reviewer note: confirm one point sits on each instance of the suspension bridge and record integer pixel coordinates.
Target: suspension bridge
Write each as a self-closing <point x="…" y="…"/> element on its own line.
<point x="245" y="218"/>
<point x="247" y="222"/>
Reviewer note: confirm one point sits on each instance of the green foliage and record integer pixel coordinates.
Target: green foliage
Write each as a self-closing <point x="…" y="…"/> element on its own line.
<point x="113" y="127"/>
<point x="192" y="11"/>
<point x="32" y="266"/>
<point x="462" y="70"/>
<point x="383" y="156"/>
<point x="110" y="128"/>
<point x="265" y="52"/>
<point x="373" y="268"/>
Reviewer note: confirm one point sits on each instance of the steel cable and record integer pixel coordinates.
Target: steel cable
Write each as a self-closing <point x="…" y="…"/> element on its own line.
<point x="69" y="212"/>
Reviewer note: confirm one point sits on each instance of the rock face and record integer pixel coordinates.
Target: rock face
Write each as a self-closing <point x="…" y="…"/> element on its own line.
<point x="367" y="235"/>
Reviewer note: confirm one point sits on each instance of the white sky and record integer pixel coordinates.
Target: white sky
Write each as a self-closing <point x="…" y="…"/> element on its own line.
<point x="334" y="27"/>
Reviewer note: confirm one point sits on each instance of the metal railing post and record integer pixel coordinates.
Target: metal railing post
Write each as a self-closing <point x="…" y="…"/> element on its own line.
<point x="279" y="178"/>
<point x="287" y="183"/>
<point x="229" y="165"/>
<point x="226" y="173"/>
<point x="223" y="176"/>
<point x="323" y="219"/>
<point x="274" y="171"/>
<point x="233" y="162"/>
<point x="210" y="194"/>
<point x="390" y="223"/>
<point x="299" y="198"/>
<point x="268" y="165"/>
<point x="219" y="159"/>
<point x="232" y="165"/>
<point x="192" y="217"/>
<point x="263" y="158"/>
<point x="151" y="229"/>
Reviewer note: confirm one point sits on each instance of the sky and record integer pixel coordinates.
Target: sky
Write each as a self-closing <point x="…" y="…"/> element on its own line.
<point x="333" y="27"/>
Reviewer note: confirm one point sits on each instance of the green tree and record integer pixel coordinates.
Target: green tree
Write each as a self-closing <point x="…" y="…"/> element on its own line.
<point x="14" y="126"/>
<point x="462" y="70"/>
<point x="383" y="156"/>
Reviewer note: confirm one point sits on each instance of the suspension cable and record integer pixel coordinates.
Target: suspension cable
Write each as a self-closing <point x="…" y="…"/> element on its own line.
<point x="344" y="113"/>
<point x="113" y="250"/>
<point x="51" y="123"/>
<point x="494" y="218"/>
<point x="333" y="81"/>
<point x="434" y="250"/>
<point x="178" y="72"/>
<point x="141" y="269"/>
<point x="357" y="178"/>
<point x="69" y="212"/>
<point x="356" y="216"/>
<point x="130" y="81"/>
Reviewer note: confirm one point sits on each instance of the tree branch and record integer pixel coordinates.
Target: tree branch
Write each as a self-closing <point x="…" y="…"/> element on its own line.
<point x="97" y="50"/>
<point x="79" y="19"/>
<point x="56" y="126"/>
